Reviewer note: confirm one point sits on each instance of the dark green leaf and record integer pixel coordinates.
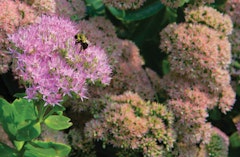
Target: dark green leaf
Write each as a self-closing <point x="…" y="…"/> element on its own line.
<point x="29" y="132"/>
<point x="6" y="151"/>
<point x="165" y="67"/>
<point x="19" y="95"/>
<point x="17" y="115"/>
<point x="136" y="15"/>
<point x="235" y="140"/>
<point x="95" y="7"/>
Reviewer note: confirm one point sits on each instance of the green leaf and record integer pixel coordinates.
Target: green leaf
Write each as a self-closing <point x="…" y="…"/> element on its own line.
<point x="7" y="117"/>
<point x="165" y="67"/>
<point x="95" y="7"/>
<point x="29" y="132"/>
<point x="17" y="115"/>
<point x="6" y="151"/>
<point x="19" y="95"/>
<point x="238" y="90"/>
<point x="58" y="109"/>
<point x="25" y="110"/>
<point x="137" y="15"/>
<point x="58" y="122"/>
<point x="43" y="149"/>
<point x="5" y="109"/>
<point x="235" y="140"/>
<point x="18" y="144"/>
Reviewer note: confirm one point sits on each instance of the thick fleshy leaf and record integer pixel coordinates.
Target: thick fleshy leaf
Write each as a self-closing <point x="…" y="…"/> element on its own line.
<point x="6" y="151"/>
<point x="136" y="15"/>
<point x="165" y="67"/>
<point x="25" y="110"/>
<point x="58" y="122"/>
<point x="49" y="149"/>
<point x="18" y="144"/>
<point x="58" y="109"/>
<point x="19" y="95"/>
<point x="29" y="132"/>
<point x="95" y="7"/>
<point x="17" y="115"/>
<point x="235" y="140"/>
<point x="7" y="117"/>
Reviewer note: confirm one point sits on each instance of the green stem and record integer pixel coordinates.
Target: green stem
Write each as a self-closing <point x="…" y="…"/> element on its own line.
<point x="42" y="112"/>
<point x="49" y="113"/>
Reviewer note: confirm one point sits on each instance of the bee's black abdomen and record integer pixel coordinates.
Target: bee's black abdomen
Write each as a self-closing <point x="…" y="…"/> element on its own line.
<point x="84" y="45"/>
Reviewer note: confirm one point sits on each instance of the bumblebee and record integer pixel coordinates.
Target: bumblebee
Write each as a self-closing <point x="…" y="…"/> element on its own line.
<point x="81" y="39"/>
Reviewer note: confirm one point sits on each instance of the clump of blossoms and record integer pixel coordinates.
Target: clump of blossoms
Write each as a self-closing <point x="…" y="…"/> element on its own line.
<point x="124" y="59"/>
<point x="73" y="8"/>
<point x="130" y="123"/>
<point x="199" y="52"/>
<point x="13" y="15"/>
<point x="52" y="65"/>
<point x="210" y="17"/>
<point x="125" y="4"/>
<point x="217" y="147"/>
<point x="179" y="3"/>
<point x="199" y="57"/>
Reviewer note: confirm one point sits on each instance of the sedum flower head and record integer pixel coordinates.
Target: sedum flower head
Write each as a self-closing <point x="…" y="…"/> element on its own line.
<point x="14" y="14"/>
<point x="210" y="17"/>
<point x="125" y="4"/>
<point x="179" y="3"/>
<point x="124" y="59"/>
<point x="73" y="8"/>
<point x="199" y="57"/>
<point x="50" y="62"/>
<point x="129" y="122"/>
<point x="198" y="52"/>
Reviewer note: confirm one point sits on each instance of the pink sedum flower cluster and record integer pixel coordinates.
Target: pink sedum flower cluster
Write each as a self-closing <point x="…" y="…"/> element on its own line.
<point x="124" y="59"/>
<point x="199" y="56"/>
<point x="13" y="15"/>
<point x="52" y="64"/>
<point x="129" y="122"/>
<point x="210" y="17"/>
<point x="199" y="52"/>
<point x="73" y="8"/>
<point x="179" y="3"/>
